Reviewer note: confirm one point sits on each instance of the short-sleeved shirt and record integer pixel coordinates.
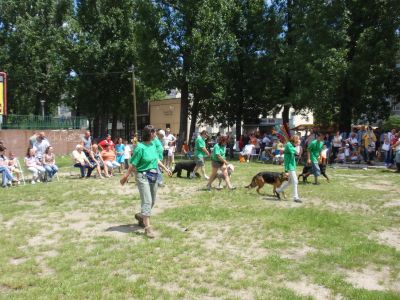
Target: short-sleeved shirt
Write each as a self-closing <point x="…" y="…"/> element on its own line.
<point x="145" y="157"/>
<point x="159" y="147"/>
<point x="290" y="160"/>
<point x="87" y="142"/>
<point x="218" y="150"/>
<point x="315" y="149"/>
<point x="200" y="144"/>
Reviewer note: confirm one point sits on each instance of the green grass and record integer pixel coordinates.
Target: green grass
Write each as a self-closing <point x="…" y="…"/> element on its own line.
<point x="73" y="239"/>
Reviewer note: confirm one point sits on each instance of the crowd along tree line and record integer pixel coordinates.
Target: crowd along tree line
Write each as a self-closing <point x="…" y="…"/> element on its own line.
<point x="232" y="60"/>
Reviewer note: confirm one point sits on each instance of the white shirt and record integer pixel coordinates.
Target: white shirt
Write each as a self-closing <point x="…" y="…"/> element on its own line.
<point x="248" y="149"/>
<point x="337" y="141"/>
<point x="127" y="152"/>
<point x="41" y="147"/>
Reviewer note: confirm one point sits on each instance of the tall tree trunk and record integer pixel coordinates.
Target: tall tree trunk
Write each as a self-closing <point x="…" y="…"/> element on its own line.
<point x="238" y="123"/>
<point x="345" y="109"/>
<point x="114" y="124"/>
<point x="285" y="117"/>
<point x="184" y="111"/>
<point x="96" y="127"/>
<point x="193" y="120"/>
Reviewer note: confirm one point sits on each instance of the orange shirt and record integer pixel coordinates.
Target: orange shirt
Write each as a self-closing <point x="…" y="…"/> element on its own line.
<point x="108" y="155"/>
<point x="185" y="148"/>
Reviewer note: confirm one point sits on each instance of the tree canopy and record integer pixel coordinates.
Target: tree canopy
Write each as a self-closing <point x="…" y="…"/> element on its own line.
<point x="232" y="60"/>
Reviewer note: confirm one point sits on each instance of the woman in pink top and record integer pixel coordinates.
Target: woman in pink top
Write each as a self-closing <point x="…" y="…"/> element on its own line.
<point x="33" y="164"/>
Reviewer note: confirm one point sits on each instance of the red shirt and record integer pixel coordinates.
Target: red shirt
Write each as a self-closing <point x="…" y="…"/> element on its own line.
<point x="109" y="142"/>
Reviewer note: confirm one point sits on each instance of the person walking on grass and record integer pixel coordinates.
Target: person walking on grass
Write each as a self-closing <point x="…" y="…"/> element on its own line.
<point x="313" y="152"/>
<point x="199" y="153"/>
<point x="144" y="163"/>
<point x="218" y="161"/>
<point x="290" y="167"/>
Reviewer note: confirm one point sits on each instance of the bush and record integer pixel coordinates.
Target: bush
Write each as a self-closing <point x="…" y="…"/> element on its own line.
<point x="392" y="122"/>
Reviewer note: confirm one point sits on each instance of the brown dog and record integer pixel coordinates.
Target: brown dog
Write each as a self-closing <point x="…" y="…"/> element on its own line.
<point x="273" y="178"/>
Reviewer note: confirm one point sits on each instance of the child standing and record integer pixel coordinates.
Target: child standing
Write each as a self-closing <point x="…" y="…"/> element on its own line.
<point x="127" y="154"/>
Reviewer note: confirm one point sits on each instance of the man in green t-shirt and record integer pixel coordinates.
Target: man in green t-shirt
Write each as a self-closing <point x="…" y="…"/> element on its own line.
<point x="313" y="152"/>
<point x="200" y="151"/>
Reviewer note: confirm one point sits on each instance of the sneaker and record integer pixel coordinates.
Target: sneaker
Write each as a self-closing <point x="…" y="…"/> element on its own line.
<point x="206" y="177"/>
<point x="33" y="182"/>
<point x="232" y="188"/>
<point x="139" y="218"/>
<point x="298" y="200"/>
<point x="248" y="161"/>
<point x="148" y="231"/>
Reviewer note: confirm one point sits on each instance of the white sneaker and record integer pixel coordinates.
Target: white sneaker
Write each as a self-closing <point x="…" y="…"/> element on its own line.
<point x="206" y="177"/>
<point x="33" y="182"/>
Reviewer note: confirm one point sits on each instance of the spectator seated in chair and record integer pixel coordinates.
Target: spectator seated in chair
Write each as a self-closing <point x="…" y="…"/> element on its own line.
<point x="96" y="159"/>
<point x="248" y="150"/>
<point x="14" y="167"/>
<point x="49" y="162"/>
<point x="340" y="157"/>
<point x="7" y="178"/>
<point x="34" y="165"/>
<point x="277" y="150"/>
<point x="82" y="162"/>
<point x="109" y="159"/>
<point x="186" y="151"/>
<point x="355" y="157"/>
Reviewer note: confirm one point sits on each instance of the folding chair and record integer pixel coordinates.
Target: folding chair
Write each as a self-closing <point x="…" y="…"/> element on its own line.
<point x="22" y="171"/>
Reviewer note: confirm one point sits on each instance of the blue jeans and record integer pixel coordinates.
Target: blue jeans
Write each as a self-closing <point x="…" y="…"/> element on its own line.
<point x="51" y="170"/>
<point x="388" y="157"/>
<point x="82" y="169"/>
<point x="6" y="175"/>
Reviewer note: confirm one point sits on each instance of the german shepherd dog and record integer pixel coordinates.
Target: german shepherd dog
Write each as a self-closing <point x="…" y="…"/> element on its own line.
<point x="273" y="178"/>
<point x="185" y="165"/>
<point x="307" y="171"/>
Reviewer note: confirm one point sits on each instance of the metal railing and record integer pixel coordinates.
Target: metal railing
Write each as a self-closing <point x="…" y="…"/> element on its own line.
<point x="39" y="122"/>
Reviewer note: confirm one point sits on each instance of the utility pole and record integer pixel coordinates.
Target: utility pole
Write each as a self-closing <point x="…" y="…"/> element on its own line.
<point x="132" y="69"/>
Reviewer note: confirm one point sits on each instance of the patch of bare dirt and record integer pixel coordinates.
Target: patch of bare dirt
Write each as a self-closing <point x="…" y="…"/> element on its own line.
<point x="389" y="237"/>
<point x="297" y="253"/>
<point x="395" y="203"/>
<point x="309" y="289"/>
<point x="17" y="261"/>
<point x="380" y="185"/>
<point x="373" y="279"/>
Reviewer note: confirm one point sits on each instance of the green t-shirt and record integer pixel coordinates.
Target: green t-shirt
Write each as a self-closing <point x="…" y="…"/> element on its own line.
<point x="145" y="157"/>
<point x="218" y="149"/>
<point x="290" y="160"/>
<point x="198" y="149"/>
<point x="315" y="149"/>
<point x="159" y="147"/>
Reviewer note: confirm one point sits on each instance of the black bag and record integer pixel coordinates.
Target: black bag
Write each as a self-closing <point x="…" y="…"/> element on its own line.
<point x="151" y="176"/>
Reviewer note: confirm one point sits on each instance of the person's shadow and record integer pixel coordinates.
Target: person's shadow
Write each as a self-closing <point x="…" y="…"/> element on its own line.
<point x="128" y="228"/>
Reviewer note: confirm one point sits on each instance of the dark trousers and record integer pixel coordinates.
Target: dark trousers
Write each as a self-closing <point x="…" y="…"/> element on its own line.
<point x="82" y="169"/>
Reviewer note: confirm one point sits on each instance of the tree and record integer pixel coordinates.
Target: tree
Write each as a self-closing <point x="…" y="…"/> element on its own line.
<point x="32" y="47"/>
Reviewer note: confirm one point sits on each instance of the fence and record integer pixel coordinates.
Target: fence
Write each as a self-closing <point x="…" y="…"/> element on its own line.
<point x="47" y="122"/>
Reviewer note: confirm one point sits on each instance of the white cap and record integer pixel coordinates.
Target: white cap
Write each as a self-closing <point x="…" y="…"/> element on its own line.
<point x="162" y="132"/>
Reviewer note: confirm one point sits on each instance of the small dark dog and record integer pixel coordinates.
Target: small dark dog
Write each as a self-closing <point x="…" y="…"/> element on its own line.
<point x="185" y="165"/>
<point x="273" y="178"/>
<point x="220" y="176"/>
<point x="307" y="171"/>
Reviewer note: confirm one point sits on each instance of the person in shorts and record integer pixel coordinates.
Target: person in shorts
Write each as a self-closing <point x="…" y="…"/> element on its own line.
<point x="218" y="162"/>
<point x="200" y="151"/>
<point x="313" y="152"/>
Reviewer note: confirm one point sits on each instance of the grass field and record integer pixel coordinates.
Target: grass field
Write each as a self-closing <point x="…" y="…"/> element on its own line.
<point x="77" y="239"/>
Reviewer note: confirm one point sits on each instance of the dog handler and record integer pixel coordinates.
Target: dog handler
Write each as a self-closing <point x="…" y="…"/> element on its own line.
<point x="144" y="163"/>
<point x="218" y="161"/>
<point x="290" y="167"/>
<point x="313" y="152"/>
<point x="200" y="152"/>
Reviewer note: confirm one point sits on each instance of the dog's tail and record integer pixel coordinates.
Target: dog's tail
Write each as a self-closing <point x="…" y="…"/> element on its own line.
<point x="252" y="183"/>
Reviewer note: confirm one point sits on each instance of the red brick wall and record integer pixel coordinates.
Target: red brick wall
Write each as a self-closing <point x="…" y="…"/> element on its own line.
<point x="63" y="141"/>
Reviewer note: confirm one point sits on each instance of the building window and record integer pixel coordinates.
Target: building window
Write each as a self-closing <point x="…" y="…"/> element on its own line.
<point x="167" y="125"/>
<point x="396" y="107"/>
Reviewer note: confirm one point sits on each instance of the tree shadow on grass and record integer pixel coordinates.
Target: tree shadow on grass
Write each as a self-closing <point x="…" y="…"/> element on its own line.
<point x="128" y="228"/>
